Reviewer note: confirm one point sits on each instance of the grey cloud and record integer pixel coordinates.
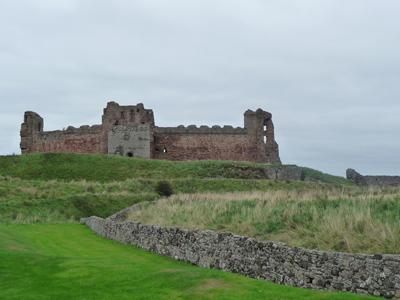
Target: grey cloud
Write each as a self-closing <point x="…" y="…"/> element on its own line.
<point x="327" y="70"/>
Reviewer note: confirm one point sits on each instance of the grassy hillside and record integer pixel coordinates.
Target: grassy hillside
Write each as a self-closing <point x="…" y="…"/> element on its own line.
<point x="52" y="187"/>
<point x="107" y="168"/>
<point x="71" y="262"/>
<point x="76" y="264"/>
<point x="30" y="201"/>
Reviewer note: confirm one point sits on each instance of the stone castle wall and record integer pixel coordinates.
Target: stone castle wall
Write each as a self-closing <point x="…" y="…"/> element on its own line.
<point x="204" y="143"/>
<point x="377" y="275"/>
<point x="117" y="136"/>
<point x="85" y="139"/>
<point x="372" y="181"/>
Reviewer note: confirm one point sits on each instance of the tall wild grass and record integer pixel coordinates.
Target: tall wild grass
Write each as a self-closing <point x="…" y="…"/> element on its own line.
<point x="355" y="221"/>
<point x="82" y="198"/>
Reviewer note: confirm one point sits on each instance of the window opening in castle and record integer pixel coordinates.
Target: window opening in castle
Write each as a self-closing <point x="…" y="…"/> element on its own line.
<point x="137" y="110"/>
<point x="39" y="127"/>
<point x="157" y="150"/>
<point x="165" y="150"/>
<point x="122" y="115"/>
<point x="166" y="137"/>
<point x="265" y="128"/>
<point x="265" y="139"/>
<point x="117" y="123"/>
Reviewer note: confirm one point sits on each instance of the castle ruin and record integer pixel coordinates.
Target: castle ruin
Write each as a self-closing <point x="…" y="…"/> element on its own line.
<point x="130" y="131"/>
<point x="372" y="181"/>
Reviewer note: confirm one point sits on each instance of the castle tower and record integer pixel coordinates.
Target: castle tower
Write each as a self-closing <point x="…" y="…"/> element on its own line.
<point x="127" y="130"/>
<point x="33" y="123"/>
<point x="115" y="114"/>
<point x="260" y="126"/>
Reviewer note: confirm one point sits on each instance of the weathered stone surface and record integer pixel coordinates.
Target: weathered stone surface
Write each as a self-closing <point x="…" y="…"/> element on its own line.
<point x="372" y="181"/>
<point x="253" y="143"/>
<point x="130" y="140"/>
<point x="283" y="172"/>
<point x="355" y="177"/>
<point x="377" y="275"/>
<point x="121" y="134"/>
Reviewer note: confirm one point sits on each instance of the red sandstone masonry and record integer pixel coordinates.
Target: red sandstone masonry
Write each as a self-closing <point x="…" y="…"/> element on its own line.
<point x="205" y="146"/>
<point x="253" y="143"/>
<point x="76" y="140"/>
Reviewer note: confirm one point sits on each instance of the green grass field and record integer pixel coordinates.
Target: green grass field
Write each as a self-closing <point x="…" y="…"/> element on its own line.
<point x="46" y="254"/>
<point x="68" y="261"/>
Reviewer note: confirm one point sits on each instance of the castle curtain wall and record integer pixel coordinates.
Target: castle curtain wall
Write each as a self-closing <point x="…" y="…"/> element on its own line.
<point x="72" y="140"/>
<point x="192" y="143"/>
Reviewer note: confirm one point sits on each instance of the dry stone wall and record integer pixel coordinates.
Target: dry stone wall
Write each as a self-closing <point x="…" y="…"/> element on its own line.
<point x="377" y="275"/>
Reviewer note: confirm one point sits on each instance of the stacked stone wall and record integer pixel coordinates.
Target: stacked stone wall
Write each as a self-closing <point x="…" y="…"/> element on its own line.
<point x="377" y="274"/>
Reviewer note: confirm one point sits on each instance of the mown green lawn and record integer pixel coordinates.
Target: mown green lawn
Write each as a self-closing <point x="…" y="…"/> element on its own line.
<point x="68" y="261"/>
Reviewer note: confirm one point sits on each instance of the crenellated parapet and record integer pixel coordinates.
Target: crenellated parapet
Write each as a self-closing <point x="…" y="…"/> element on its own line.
<point x="84" y="129"/>
<point x="193" y="129"/>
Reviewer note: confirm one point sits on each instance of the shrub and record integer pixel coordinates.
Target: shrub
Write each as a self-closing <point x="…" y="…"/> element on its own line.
<point x="164" y="188"/>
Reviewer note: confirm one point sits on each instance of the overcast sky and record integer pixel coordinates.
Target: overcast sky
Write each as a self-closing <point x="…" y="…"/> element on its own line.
<point x="328" y="71"/>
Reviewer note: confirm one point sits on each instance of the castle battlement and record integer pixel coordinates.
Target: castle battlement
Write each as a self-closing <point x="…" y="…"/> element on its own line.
<point x="203" y="129"/>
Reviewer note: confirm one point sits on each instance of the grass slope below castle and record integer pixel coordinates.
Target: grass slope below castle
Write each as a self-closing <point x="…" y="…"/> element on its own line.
<point x="218" y="195"/>
<point x="49" y="187"/>
<point x="106" y="168"/>
<point x="74" y="262"/>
